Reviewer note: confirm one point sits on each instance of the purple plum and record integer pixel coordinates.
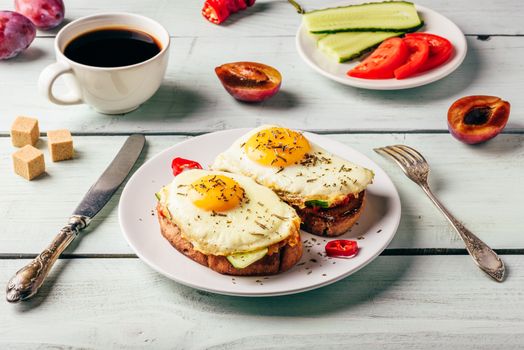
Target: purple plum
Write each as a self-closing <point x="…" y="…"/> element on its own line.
<point x="16" y="34"/>
<point x="45" y="14"/>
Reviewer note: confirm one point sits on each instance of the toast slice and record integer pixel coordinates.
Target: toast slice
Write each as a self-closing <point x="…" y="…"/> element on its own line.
<point x="280" y="257"/>
<point x="333" y="221"/>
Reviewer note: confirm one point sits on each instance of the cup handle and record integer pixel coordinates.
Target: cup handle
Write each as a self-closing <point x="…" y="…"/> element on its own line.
<point x="47" y="79"/>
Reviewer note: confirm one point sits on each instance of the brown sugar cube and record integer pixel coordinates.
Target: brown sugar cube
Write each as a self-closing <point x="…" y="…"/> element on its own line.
<point x="24" y="131"/>
<point x="60" y="144"/>
<point x="28" y="162"/>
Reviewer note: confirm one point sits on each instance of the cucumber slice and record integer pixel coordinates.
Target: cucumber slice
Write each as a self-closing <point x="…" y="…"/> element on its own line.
<point x="317" y="37"/>
<point x="317" y="203"/>
<point x="242" y="260"/>
<point x="162" y="195"/>
<point x="348" y="45"/>
<point x="166" y="213"/>
<point x="392" y="16"/>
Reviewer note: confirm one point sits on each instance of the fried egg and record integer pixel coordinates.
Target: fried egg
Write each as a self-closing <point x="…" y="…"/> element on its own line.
<point x="222" y="213"/>
<point x="298" y="170"/>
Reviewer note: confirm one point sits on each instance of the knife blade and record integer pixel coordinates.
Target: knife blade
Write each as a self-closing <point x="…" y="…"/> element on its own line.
<point x="26" y="282"/>
<point x="106" y="185"/>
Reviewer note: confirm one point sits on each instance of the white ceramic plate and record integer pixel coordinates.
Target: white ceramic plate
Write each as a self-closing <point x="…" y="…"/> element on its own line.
<point x="376" y="227"/>
<point x="434" y="23"/>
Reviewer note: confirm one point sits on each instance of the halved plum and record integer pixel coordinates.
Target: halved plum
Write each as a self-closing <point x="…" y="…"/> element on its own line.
<point x="249" y="81"/>
<point x="476" y="119"/>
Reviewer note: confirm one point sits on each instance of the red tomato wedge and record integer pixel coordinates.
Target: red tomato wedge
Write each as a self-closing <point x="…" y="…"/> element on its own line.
<point x="381" y="64"/>
<point x="440" y="49"/>
<point x="418" y="55"/>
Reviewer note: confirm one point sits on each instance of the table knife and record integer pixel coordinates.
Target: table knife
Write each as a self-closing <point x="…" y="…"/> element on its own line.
<point x="26" y="282"/>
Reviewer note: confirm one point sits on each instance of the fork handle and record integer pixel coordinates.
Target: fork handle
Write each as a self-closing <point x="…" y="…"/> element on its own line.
<point x="484" y="256"/>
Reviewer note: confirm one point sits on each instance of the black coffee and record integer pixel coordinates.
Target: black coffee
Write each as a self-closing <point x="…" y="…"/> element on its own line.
<point x="112" y="47"/>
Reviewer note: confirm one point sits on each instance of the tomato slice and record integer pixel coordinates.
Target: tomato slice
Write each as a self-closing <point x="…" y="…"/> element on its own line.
<point x="440" y="49"/>
<point x="342" y="248"/>
<point x="180" y="164"/>
<point x="418" y="55"/>
<point x="381" y="64"/>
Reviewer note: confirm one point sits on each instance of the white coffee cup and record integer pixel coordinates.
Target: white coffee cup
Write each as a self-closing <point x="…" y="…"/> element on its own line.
<point x="108" y="90"/>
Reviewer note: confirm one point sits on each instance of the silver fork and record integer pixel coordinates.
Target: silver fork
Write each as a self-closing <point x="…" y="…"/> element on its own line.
<point x="417" y="169"/>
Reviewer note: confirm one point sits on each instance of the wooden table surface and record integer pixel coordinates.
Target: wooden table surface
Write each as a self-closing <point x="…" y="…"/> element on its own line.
<point x="422" y="292"/>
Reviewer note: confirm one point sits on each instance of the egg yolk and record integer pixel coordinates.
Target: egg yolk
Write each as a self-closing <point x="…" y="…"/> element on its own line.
<point x="278" y="147"/>
<point x="216" y="193"/>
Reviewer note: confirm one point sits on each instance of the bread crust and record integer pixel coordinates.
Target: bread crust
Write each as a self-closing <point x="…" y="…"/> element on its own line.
<point x="333" y="221"/>
<point x="283" y="258"/>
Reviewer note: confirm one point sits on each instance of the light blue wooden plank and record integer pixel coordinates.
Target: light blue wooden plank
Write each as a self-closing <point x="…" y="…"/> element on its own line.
<point x="193" y="100"/>
<point x="478" y="184"/>
<point x="410" y="302"/>
<point x="277" y="18"/>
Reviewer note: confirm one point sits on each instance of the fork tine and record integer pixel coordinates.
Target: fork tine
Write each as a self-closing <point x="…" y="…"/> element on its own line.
<point x="399" y="149"/>
<point x="413" y="152"/>
<point x="399" y="159"/>
<point x="395" y="152"/>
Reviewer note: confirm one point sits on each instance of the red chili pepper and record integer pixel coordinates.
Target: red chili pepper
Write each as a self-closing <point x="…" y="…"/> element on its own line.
<point x="180" y="164"/>
<point x="234" y="5"/>
<point x="241" y="4"/>
<point x="217" y="11"/>
<point x="342" y="248"/>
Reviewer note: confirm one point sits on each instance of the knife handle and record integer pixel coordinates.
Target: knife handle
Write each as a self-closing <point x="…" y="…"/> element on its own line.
<point x="26" y="282"/>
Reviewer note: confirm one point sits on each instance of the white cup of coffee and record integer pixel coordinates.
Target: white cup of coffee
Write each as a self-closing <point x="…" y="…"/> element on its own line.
<point x="113" y="62"/>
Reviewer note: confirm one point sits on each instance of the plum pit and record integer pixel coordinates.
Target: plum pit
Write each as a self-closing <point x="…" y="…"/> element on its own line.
<point x="477" y="116"/>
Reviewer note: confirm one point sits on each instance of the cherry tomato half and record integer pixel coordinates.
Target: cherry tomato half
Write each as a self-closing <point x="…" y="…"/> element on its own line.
<point x="180" y="164"/>
<point x="440" y="49"/>
<point x="418" y="55"/>
<point x="342" y="248"/>
<point x="381" y="64"/>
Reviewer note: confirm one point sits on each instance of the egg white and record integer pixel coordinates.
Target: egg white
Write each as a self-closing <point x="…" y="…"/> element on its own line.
<point x="261" y="219"/>
<point x="330" y="178"/>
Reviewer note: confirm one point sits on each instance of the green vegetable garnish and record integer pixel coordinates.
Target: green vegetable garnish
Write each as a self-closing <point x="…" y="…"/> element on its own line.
<point x="317" y="203"/>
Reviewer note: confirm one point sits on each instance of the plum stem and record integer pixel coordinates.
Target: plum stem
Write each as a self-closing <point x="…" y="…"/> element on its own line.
<point x="297" y="6"/>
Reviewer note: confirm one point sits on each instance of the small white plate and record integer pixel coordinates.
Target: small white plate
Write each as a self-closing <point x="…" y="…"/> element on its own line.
<point x="376" y="227"/>
<point x="434" y="23"/>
